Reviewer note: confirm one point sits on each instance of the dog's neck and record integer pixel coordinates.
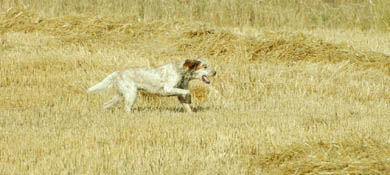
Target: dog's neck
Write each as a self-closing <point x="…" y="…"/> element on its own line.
<point x="184" y="81"/>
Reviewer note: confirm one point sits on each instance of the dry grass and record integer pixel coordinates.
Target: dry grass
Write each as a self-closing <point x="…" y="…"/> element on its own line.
<point x="285" y="101"/>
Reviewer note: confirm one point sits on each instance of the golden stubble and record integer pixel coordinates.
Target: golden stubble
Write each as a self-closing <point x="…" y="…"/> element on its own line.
<point x="283" y="101"/>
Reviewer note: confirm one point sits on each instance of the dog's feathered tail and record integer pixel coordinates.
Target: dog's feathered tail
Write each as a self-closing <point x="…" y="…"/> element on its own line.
<point x="106" y="83"/>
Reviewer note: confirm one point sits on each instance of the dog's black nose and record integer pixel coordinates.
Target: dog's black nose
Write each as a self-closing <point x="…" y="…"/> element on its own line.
<point x="215" y="73"/>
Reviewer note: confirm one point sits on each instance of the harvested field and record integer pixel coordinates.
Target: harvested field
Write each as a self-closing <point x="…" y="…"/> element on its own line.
<point x="284" y="101"/>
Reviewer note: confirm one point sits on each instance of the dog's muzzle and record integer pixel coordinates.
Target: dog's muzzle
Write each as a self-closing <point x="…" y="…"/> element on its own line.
<point x="206" y="79"/>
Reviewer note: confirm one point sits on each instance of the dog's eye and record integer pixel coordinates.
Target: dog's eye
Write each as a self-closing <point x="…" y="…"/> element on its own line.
<point x="205" y="67"/>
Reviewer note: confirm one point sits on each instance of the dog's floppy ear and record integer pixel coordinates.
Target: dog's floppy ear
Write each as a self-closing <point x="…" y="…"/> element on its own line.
<point x="191" y="64"/>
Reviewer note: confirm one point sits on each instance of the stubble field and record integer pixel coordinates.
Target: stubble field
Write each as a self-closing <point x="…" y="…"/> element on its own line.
<point x="294" y="94"/>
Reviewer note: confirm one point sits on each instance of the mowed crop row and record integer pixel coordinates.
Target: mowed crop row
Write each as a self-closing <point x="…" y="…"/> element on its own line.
<point x="276" y="14"/>
<point x="283" y="101"/>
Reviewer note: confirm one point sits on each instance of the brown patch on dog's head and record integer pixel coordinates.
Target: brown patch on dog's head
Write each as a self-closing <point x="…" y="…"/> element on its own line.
<point x="191" y="64"/>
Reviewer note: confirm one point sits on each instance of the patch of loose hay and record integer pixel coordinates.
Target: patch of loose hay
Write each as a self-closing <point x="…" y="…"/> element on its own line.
<point x="203" y="40"/>
<point x="326" y="158"/>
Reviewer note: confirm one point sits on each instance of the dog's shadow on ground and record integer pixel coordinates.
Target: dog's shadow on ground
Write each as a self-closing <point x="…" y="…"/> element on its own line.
<point x="163" y="109"/>
<point x="171" y="109"/>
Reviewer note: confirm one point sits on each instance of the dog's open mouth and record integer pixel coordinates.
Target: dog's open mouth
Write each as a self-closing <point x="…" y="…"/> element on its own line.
<point x="205" y="79"/>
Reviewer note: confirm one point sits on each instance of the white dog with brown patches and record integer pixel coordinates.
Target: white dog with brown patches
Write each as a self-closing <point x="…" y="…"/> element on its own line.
<point x="167" y="80"/>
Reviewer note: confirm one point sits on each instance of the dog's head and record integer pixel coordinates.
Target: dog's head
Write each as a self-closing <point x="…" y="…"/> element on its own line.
<point x="199" y="69"/>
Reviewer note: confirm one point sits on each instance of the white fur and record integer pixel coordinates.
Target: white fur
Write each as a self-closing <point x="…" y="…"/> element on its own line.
<point x="167" y="80"/>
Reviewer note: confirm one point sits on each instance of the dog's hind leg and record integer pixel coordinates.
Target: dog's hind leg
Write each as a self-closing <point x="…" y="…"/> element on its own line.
<point x="114" y="100"/>
<point x="129" y="92"/>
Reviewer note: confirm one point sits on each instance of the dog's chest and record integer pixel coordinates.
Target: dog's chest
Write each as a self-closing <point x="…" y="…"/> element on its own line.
<point x="182" y="82"/>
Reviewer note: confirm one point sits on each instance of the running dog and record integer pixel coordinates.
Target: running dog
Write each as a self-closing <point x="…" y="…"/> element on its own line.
<point x="171" y="79"/>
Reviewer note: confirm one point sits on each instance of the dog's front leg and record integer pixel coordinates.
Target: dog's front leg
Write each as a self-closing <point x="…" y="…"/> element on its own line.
<point x="175" y="91"/>
<point x="185" y="100"/>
